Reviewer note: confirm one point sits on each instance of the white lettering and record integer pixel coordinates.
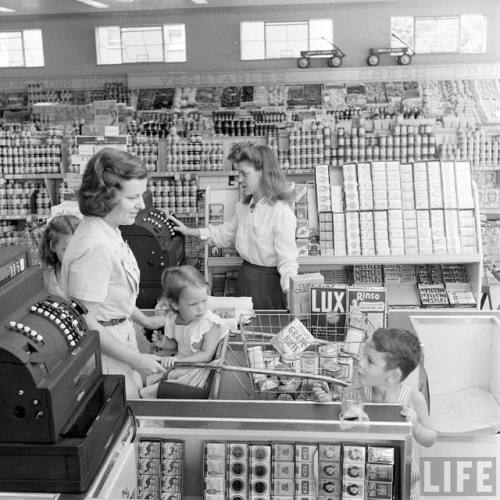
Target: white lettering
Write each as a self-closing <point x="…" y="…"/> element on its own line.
<point x="428" y="486"/>
<point x="447" y="477"/>
<point x="462" y="476"/>
<point x="483" y="476"/>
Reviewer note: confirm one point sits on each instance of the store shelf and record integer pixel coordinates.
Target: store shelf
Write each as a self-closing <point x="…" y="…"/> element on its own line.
<point x="31" y="176"/>
<point x="203" y="173"/>
<point x="326" y="262"/>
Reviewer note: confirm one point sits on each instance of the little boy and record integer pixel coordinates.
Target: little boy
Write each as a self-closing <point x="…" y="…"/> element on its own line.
<point x="389" y="356"/>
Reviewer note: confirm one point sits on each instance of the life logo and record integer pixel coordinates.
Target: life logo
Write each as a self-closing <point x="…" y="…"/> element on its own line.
<point x="458" y="476"/>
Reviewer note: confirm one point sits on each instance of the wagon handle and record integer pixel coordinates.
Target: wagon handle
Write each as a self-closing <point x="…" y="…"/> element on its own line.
<point x="404" y="43"/>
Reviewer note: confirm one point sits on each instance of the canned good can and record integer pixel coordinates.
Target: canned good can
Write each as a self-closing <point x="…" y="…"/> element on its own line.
<point x="309" y="362"/>
<point x="328" y="365"/>
<point x="291" y="361"/>
<point x="271" y="359"/>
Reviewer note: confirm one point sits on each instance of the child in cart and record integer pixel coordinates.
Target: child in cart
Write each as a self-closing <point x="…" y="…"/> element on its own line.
<point x="190" y="329"/>
<point x="389" y="356"/>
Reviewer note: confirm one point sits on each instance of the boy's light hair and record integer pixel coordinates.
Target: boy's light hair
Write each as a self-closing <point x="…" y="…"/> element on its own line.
<point x="175" y="279"/>
<point x="401" y="348"/>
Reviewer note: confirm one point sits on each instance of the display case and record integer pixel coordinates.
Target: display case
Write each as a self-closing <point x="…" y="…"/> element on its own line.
<point x="187" y="426"/>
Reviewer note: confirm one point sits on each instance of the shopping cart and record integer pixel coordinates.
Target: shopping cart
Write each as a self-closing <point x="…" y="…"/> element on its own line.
<point x="330" y="358"/>
<point x="334" y="351"/>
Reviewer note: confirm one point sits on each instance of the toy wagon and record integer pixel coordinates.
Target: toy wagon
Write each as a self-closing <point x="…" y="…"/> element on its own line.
<point x="403" y="55"/>
<point x="333" y="57"/>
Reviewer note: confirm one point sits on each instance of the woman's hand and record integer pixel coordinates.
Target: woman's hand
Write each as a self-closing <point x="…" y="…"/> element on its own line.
<point x="169" y="361"/>
<point x="182" y="228"/>
<point x="148" y="364"/>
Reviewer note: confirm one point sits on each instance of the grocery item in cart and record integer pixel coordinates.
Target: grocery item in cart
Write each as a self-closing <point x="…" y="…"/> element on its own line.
<point x="293" y="338"/>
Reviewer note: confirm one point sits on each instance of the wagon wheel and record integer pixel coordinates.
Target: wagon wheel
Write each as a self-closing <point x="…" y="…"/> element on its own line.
<point x="303" y="62"/>
<point x="404" y="59"/>
<point x="334" y="62"/>
<point x="373" y="60"/>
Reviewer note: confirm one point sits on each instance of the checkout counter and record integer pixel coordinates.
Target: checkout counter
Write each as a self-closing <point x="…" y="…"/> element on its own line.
<point x="68" y="433"/>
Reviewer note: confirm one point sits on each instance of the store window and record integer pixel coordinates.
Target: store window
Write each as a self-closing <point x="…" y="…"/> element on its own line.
<point x="451" y="34"/>
<point x="274" y="40"/>
<point x="123" y="45"/>
<point x="21" y="48"/>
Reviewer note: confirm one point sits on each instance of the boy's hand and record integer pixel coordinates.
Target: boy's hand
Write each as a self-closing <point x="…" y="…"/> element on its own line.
<point x="409" y="412"/>
<point x="169" y="361"/>
<point x="321" y="393"/>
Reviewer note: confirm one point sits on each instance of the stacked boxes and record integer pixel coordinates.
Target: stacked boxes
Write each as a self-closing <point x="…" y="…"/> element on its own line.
<point x="449" y="185"/>
<point x="464" y="184"/>
<point x="367" y="233"/>
<point x="339" y="234"/>
<point x="435" y="185"/>
<point x="353" y="469"/>
<point x="381" y="232"/>
<point x="420" y="184"/>
<point x="306" y="481"/>
<point x="453" y="242"/>
<point x="468" y="236"/>
<point x="329" y="482"/>
<point x="351" y="188"/>
<point x="365" y="187"/>
<point x="326" y="233"/>
<point x="298" y="471"/>
<point x="398" y="209"/>
<point x="379" y="182"/>
<point x="410" y="232"/>
<point x="323" y="193"/>
<point x="214" y="471"/>
<point x="353" y="233"/>
<point x="172" y="456"/>
<point x="380" y="473"/>
<point x="283" y="482"/>
<point x="439" y="246"/>
<point x="301" y="212"/>
<point x="260" y="472"/>
<point x="396" y="232"/>
<point x="160" y="468"/>
<point x="238" y="471"/>
<point x="407" y="194"/>
<point x="394" y="195"/>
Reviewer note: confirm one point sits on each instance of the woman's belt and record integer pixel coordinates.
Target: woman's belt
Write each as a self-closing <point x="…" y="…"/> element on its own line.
<point x="113" y="321"/>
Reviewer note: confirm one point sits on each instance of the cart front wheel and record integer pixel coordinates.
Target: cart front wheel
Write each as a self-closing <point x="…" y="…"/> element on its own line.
<point x="335" y="62"/>
<point x="304" y="62"/>
<point x="373" y="60"/>
<point x="404" y="60"/>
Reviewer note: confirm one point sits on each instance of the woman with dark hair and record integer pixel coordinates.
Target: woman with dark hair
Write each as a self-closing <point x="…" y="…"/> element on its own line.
<point x="262" y="228"/>
<point x="99" y="269"/>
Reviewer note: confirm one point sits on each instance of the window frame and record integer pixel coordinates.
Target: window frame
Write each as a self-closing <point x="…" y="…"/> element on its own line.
<point x="459" y="18"/>
<point x="164" y="49"/>
<point x="23" y="50"/>
<point x="265" y="41"/>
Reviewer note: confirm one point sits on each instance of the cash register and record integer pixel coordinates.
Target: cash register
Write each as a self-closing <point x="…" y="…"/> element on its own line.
<point x="156" y="246"/>
<point x="59" y="415"/>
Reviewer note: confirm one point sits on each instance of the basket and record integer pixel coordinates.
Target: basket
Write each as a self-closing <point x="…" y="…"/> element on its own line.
<point x="330" y="356"/>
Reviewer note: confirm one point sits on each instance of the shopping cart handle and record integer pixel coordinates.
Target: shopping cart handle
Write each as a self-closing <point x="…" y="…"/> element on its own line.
<point x="276" y="373"/>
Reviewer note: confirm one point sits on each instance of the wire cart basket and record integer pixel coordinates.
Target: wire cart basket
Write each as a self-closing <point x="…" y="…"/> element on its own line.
<point x="329" y="359"/>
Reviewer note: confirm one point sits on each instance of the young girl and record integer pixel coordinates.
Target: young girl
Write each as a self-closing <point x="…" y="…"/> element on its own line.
<point x="262" y="228"/>
<point x="190" y="328"/>
<point x="52" y="246"/>
<point x="389" y="357"/>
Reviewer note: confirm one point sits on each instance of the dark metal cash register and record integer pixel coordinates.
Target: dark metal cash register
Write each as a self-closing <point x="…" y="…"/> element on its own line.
<point x="156" y="246"/>
<point x="59" y="414"/>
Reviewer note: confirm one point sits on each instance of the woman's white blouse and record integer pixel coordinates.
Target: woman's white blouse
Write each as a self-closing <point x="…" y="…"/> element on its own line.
<point x="263" y="234"/>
